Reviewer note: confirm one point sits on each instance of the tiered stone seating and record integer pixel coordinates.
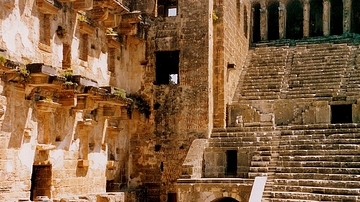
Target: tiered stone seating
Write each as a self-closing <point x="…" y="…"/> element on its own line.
<point x="353" y="80"/>
<point x="264" y="76"/>
<point x="302" y="71"/>
<point x="318" y="70"/>
<point x="318" y="164"/>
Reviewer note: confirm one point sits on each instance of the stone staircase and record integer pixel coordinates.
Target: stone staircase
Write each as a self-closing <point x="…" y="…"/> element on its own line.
<point x="321" y="163"/>
<point x="318" y="69"/>
<point x="300" y="71"/>
<point x="264" y="75"/>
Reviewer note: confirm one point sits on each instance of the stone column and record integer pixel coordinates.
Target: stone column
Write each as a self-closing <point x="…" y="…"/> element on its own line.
<point x="347" y="15"/>
<point x="306" y="18"/>
<point x="45" y="109"/>
<point x="85" y="128"/>
<point x="282" y="20"/>
<point x="326" y="18"/>
<point x="263" y="22"/>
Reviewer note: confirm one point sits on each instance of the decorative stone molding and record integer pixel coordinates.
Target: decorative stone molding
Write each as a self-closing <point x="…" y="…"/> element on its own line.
<point x="83" y="4"/>
<point x="113" y="4"/>
<point x="113" y="42"/>
<point x="99" y="13"/>
<point x="85" y="28"/>
<point x="48" y="6"/>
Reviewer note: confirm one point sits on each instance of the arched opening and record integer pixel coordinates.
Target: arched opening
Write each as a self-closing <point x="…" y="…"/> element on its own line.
<point x="226" y="199"/>
<point x="336" y="17"/>
<point x="273" y="21"/>
<point x="294" y="20"/>
<point x="316" y="21"/>
<point x="355" y="20"/>
<point x="256" y="23"/>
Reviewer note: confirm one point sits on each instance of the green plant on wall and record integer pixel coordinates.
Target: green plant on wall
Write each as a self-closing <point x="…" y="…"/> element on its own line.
<point x="2" y="60"/>
<point x="120" y="92"/>
<point x="68" y="74"/>
<point x="140" y="103"/>
<point x="24" y="74"/>
<point x="215" y="17"/>
<point x="82" y="18"/>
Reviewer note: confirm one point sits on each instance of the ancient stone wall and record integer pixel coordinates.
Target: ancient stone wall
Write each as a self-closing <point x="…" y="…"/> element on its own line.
<point x="64" y="132"/>
<point x="231" y="21"/>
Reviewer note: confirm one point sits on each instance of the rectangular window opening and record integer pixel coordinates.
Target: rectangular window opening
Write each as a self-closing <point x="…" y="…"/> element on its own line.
<point x="84" y="47"/>
<point x="167" y="67"/>
<point x="66" y="62"/>
<point x="341" y="114"/>
<point x="231" y="162"/>
<point x="167" y="8"/>
<point x="45" y="29"/>
<point x="111" y="59"/>
<point x="172" y="12"/>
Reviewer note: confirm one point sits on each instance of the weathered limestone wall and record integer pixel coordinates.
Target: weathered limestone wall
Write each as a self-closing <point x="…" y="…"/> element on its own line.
<point x="182" y="112"/>
<point x="72" y="145"/>
<point x="231" y="43"/>
<point x="130" y="64"/>
<point x="214" y="190"/>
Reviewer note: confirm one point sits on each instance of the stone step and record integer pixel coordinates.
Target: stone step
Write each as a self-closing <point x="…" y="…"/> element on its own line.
<point x="273" y="83"/>
<point x="308" y="81"/>
<point x="328" y="163"/>
<point x="286" y="200"/>
<point x="321" y="147"/>
<point x="317" y="176"/>
<point x="322" y="135"/>
<point x="252" y="92"/>
<point x="318" y="190"/>
<point x="305" y="170"/>
<point x="320" y="158"/>
<point x="314" y="196"/>
<point x="260" y="93"/>
<point x="242" y="134"/>
<point x="241" y="139"/>
<point x="241" y="130"/>
<point x="297" y="152"/>
<point x="267" y="97"/>
<point x="318" y="183"/>
<point x="320" y="141"/>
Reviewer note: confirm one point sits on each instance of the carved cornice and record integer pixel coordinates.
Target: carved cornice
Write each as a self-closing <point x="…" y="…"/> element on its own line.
<point x="49" y="6"/>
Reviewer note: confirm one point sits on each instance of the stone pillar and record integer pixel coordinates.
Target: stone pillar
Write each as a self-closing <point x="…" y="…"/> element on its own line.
<point x="326" y="18"/>
<point x="45" y="109"/>
<point x="282" y="20"/>
<point x="85" y="128"/>
<point x="347" y="15"/>
<point x="263" y="22"/>
<point x="306" y="18"/>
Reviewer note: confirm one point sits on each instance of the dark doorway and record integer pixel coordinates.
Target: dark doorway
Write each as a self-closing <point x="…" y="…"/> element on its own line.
<point x="40" y="181"/>
<point x="355" y="20"/>
<point x="172" y="197"/>
<point x="316" y="18"/>
<point x="256" y="23"/>
<point x="336" y="17"/>
<point x="294" y="20"/>
<point x="341" y="113"/>
<point x="167" y="67"/>
<point x="226" y="199"/>
<point x="273" y="21"/>
<point x="231" y="162"/>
